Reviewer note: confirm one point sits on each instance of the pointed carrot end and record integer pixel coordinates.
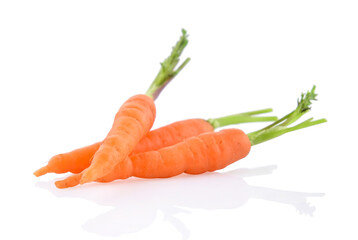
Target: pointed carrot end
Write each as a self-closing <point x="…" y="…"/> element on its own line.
<point x="42" y="171"/>
<point x="61" y="184"/>
<point x="70" y="181"/>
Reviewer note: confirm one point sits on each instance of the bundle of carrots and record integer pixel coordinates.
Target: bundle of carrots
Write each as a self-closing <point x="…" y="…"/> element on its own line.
<point x="190" y="146"/>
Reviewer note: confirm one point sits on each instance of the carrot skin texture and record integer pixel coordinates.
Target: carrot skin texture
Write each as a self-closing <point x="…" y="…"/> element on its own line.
<point x="208" y="151"/>
<point x="196" y="155"/>
<point x="132" y="122"/>
<point x="172" y="134"/>
<point x="79" y="159"/>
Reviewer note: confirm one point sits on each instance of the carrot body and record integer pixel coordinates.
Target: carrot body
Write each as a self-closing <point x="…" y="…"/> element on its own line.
<point x="195" y="155"/>
<point x="172" y="134"/>
<point x="79" y="159"/>
<point x="209" y="151"/>
<point x="132" y="122"/>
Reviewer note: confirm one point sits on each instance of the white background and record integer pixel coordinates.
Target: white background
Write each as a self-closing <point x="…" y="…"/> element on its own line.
<point x="66" y="67"/>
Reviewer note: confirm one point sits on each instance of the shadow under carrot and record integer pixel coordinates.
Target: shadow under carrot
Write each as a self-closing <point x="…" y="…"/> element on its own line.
<point x="137" y="202"/>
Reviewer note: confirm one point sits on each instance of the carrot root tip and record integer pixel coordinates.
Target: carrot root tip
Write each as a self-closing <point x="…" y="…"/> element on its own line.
<point x="60" y="184"/>
<point x="41" y="171"/>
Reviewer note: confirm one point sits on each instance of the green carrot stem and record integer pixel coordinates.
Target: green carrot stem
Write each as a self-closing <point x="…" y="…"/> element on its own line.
<point x="245" y="117"/>
<point x="167" y="71"/>
<point x="278" y="131"/>
<point x="281" y="126"/>
<point x="266" y="110"/>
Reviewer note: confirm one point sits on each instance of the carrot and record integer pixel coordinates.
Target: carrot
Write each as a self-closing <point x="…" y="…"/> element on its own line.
<point x="132" y="121"/>
<point x="216" y="150"/>
<point x="206" y="152"/>
<point x="209" y="151"/>
<point x="79" y="159"/>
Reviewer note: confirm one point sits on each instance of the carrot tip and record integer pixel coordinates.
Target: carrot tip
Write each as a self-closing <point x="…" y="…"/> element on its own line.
<point x="70" y="181"/>
<point x="60" y="184"/>
<point x="41" y="171"/>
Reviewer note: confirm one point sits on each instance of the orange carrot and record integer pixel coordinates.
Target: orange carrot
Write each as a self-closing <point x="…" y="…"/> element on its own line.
<point x="133" y="120"/>
<point x="215" y="150"/>
<point x="207" y="152"/>
<point x="79" y="159"/>
<point x="131" y="123"/>
<point x="128" y="121"/>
